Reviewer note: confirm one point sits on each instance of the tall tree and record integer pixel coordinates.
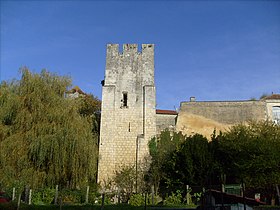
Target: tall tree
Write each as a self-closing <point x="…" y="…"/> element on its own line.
<point x="190" y="164"/>
<point x="246" y="153"/>
<point x="44" y="138"/>
<point x="251" y="154"/>
<point x="161" y="148"/>
<point x="90" y="106"/>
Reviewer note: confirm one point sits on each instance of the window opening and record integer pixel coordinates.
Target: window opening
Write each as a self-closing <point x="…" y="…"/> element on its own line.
<point x="124" y="99"/>
<point x="276" y="114"/>
<point x="120" y="49"/>
<point x="139" y="49"/>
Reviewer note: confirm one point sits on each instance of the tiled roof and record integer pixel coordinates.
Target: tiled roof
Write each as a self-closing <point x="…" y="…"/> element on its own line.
<point x="230" y="198"/>
<point x="170" y="112"/>
<point x="273" y="96"/>
<point x="76" y="89"/>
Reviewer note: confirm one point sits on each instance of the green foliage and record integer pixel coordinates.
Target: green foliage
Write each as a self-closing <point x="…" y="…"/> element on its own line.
<point x="197" y="197"/>
<point x="96" y="198"/>
<point x="161" y="148"/>
<point x="137" y="200"/>
<point x="198" y="161"/>
<point x="125" y="180"/>
<point x="93" y="197"/>
<point x="43" y="196"/>
<point x="90" y="106"/>
<point x="186" y="161"/>
<point x="71" y="196"/>
<point x="251" y="153"/>
<point x="13" y="206"/>
<point x="175" y="199"/>
<point x="107" y="199"/>
<point x="248" y="153"/>
<point x="45" y="138"/>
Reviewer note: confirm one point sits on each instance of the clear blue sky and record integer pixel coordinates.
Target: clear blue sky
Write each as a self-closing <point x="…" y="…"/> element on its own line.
<point x="214" y="50"/>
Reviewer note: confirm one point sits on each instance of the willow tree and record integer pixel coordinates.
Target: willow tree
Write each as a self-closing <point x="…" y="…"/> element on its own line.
<point x="44" y="139"/>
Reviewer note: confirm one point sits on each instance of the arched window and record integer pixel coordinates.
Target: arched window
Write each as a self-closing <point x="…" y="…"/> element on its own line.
<point x="276" y="114"/>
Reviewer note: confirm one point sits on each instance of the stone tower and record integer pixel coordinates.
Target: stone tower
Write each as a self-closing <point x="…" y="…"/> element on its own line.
<point x="128" y="115"/>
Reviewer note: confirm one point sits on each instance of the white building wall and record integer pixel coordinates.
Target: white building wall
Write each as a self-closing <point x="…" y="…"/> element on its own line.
<point x="132" y="73"/>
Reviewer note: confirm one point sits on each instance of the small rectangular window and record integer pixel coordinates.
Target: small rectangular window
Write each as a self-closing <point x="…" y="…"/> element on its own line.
<point x="276" y="114"/>
<point x="124" y="99"/>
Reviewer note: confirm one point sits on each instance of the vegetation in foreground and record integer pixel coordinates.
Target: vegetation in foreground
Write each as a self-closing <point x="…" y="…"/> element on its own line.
<point x="248" y="154"/>
<point x="47" y="139"/>
<point x="13" y="206"/>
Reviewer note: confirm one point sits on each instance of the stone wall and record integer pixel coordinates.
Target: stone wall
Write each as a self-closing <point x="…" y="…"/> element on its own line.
<point x="165" y="121"/>
<point x="204" y="117"/>
<point x="128" y="117"/>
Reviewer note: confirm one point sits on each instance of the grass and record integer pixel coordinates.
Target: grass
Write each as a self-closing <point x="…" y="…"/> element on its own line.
<point x="267" y="207"/>
<point x="13" y="206"/>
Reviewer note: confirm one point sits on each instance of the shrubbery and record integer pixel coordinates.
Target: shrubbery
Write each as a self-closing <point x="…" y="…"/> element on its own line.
<point x="43" y="196"/>
<point x="137" y="200"/>
<point x="72" y="196"/>
<point x="174" y="199"/>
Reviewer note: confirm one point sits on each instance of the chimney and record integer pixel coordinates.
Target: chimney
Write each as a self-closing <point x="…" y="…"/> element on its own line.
<point x="192" y="99"/>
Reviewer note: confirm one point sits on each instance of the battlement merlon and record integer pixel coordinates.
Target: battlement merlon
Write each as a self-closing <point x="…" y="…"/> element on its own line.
<point x="130" y="57"/>
<point x="113" y="49"/>
<point x="148" y="47"/>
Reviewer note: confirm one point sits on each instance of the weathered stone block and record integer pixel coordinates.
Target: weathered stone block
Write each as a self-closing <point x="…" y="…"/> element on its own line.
<point x="128" y="107"/>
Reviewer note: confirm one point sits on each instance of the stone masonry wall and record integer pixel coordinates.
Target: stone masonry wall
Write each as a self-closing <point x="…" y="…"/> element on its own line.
<point x="228" y="112"/>
<point x="165" y="121"/>
<point x="129" y="73"/>
<point x="204" y="117"/>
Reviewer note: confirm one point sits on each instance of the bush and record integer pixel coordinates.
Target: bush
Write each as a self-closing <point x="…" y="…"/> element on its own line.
<point x="96" y="198"/>
<point x="157" y="199"/>
<point x="93" y="197"/>
<point x="137" y="200"/>
<point x="43" y="196"/>
<point x="71" y="196"/>
<point x="174" y="199"/>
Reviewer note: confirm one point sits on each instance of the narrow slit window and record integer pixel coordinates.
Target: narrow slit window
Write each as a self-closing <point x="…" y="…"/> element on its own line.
<point x="125" y="99"/>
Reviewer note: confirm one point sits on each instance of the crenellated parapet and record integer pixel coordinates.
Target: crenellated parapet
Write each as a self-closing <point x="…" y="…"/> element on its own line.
<point x="115" y="50"/>
<point x="130" y="59"/>
<point x="128" y="116"/>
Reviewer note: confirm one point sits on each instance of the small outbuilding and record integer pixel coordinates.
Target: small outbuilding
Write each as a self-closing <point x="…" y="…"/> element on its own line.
<point x="217" y="200"/>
